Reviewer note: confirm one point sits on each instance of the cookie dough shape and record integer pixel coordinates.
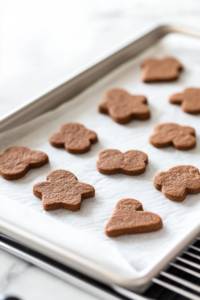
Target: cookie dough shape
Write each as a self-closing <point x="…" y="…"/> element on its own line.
<point x="123" y="107"/>
<point x="62" y="190"/>
<point x="74" y="137"/>
<point x="16" y="161"/>
<point x="128" y="217"/>
<point x="178" y="182"/>
<point x="181" y="137"/>
<point x="132" y="162"/>
<point x="189" y="100"/>
<point x="166" y="69"/>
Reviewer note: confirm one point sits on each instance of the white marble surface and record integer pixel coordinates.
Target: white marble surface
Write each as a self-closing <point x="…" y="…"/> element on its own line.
<point x="29" y="282"/>
<point x="42" y="42"/>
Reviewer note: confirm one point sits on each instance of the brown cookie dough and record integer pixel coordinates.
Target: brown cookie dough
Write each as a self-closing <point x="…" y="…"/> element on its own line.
<point x="128" y="217"/>
<point x="16" y="161"/>
<point x="122" y="107"/>
<point x="62" y="190"/>
<point x="166" y="69"/>
<point x="181" y="137"/>
<point x="178" y="182"/>
<point x="189" y="100"/>
<point x="132" y="162"/>
<point x="74" y="137"/>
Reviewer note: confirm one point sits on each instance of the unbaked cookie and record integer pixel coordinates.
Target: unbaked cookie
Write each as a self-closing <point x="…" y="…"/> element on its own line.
<point x="128" y="217"/>
<point x="16" y="161"/>
<point x="132" y="162"/>
<point x="181" y="137"/>
<point x="189" y="100"/>
<point x="178" y="182"/>
<point x="166" y="69"/>
<point x="62" y="190"/>
<point x="74" y="137"/>
<point x="123" y="107"/>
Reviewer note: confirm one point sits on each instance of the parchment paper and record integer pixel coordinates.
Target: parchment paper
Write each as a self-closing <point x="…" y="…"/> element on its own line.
<point x="137" y="250"/>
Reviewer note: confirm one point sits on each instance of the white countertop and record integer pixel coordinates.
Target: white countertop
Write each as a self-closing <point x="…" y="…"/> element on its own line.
<point x="42" y="42"/>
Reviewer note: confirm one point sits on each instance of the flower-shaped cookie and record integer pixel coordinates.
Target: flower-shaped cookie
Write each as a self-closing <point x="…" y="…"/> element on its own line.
<point x="123" y="107"/>
<point x="128" y="217"/>
<point x="165" y="69"/>
<point x="62" y="190"/>
<point x="189" y="100"/>
<point x="132" y="162"/>
<point x="181" y="137"/>
<point x="16" y="161"/>
<point x="74" y="137"/>
<point x="178" y="182"/>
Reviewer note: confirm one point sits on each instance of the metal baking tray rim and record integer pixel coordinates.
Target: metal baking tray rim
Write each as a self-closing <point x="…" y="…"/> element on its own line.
<point x="72" y="85"/>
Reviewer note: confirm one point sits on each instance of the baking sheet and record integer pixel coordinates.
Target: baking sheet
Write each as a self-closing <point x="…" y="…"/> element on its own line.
<point x="134" y="252"/>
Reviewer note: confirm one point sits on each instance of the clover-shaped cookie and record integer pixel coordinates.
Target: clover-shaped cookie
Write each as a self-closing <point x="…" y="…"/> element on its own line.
<point x="181" y="137"/>
<point x="74" y="137"/>
<point x="178" y="182"/>
<point x="166" y="69"/>
<point x="189" y="100"/>
<point x="16" y="161"/>
<point x="122" y="107"/>
<point x="128" y="217"/>
<point x="132" y="162"/>
<point x="62" y="190"/>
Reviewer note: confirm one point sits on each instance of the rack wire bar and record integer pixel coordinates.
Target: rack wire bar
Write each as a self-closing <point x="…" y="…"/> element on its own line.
<point x="193" y="255"/>
<point x="185" y="270"/>
<point x="186" y="283"/>
<point x="195" y="248"/>
<point x="181" y="280"/>
<point x="176" y="289"/>
<point x="192" y="264"/>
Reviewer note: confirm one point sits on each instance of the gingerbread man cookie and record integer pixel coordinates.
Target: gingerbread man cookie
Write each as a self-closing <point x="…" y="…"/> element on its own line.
<point x="181" y="137"/>
<point x="16" y="161"/>
<point x="178" y="182"/>
<point x="128" y="217"/>
<point x="132" y="162"/>
<point x="74" y="137"/>
<point x="122" y="107"/>
<point x="62" y="190"/>
<point x="166" y="69"/>
<point x="189" y="100"/>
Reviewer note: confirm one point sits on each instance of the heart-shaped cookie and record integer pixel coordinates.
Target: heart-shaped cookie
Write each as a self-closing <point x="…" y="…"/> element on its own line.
<point x="128" y="217"/>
